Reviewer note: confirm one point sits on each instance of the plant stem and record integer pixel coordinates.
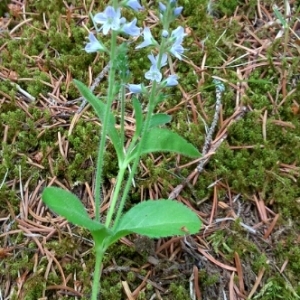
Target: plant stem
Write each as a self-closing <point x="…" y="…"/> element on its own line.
<point x="137" y="159"/>
<point x="122" y="122"/>
<point x="117" y="189"/>
<point x="116" y="194"/>
<point x="142" y="138"/>
<point x="97" y="273"/>
<point x="100" y="159"/>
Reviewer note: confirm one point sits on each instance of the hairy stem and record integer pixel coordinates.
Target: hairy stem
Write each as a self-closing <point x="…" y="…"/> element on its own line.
<point x="100" y="160"/>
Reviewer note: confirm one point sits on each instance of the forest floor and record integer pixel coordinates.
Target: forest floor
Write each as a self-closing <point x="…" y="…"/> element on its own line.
<point x="246" y="190"/>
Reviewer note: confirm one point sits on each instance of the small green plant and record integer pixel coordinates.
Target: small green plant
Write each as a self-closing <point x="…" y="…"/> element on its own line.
<point x="152" y="218"/>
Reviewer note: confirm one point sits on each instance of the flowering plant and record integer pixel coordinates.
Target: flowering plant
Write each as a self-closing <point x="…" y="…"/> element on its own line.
<point x="153" y="218"/>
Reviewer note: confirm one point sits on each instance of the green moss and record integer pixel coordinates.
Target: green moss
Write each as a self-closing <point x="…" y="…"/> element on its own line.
<point x="3" y="7"/>
<point x="251" y="170"/>
<point x="131" y="277"/>
<point x="180" y="292"/>
<point x="62" y="247"/>
<point x="207" y="280"/>
<point x="34" y="287"/>
<point x="276" y="288"/>
<point x="14" y="266"/>
<point x="112" y="288"/>
<point x="260" y="262"/>
<point x="142" y="296"/>
<point x="226" y="7"/>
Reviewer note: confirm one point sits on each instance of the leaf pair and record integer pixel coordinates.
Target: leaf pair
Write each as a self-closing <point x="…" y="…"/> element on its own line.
<point x="153" y="218"/>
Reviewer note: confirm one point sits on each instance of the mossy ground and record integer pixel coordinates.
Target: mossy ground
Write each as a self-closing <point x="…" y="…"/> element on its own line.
<point x="258" y="162"/>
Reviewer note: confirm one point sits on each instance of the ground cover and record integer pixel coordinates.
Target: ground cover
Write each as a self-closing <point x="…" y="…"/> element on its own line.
<point x="245" y="187"/>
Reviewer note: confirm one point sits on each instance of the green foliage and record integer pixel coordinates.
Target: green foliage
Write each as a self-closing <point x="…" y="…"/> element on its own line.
<point x="207" y="280"/>
<point x="276" y="288"/>
<point x="261" y="262"/>
<point x="112" y="289"/>
<point x="179" y="291"/>
<point x="131" y="277"/>
<point x="226" y="7"/>
<point x="34" y="287"/>
<point x="247" y="171"/>
<point x="163" y="140"/>
<point x="100" y="109"/>
<point x="3" y="7"/>
<point x="69" y="206"/>
<point x="159" y="218"/>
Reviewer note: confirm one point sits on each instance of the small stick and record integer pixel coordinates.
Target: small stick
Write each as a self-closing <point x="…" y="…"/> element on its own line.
<point x="20" y="90"/>
<point x="96" y="82"/>
<point x="208" y="147"/>
<point x="219" y="90"/>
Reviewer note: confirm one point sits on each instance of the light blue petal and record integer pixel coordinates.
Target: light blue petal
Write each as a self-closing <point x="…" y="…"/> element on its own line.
<point x="148" y="39"/>
<point x="100" y="18"/>
<point x="154" y="60"/>
<point x="110" y="19"/>
<point x="164" y="60"/>
<point x="178" y="34"/>
<point x="177" y="50"/>
<point x="172" y="80"/>
<point x="162" y="7"/>
<point x="177" y="11"/>
<point x="135" y="88"/>
<point x="131" y="28"/>
<point x="153" y="74"/>
<point x="135" y="5"/>
<point x="94" y="45"/>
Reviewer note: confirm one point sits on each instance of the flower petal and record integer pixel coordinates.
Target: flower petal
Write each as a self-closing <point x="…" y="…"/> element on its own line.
<point x="134" y="4"/>
<point x="135" y="88"/>
<point x="131" y="28"/>
<point x="148" y="39"/>
<point x="94" y="45"/>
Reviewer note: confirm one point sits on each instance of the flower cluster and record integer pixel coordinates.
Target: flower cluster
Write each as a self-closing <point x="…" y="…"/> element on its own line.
<point x="154" y="74"/>
<point x="164" y="14"/>
<point x="173" y="44"/>
<point x="111" y="20"/>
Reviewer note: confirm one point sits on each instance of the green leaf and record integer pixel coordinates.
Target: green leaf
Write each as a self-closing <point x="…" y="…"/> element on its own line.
<point x="164" y="140"/>
<point x="159" y="119"/>
<point x="281" y="18"/>
<point x="100" y="108"/>
<point x="158" y="218"/>
<point x="70" y="207"/>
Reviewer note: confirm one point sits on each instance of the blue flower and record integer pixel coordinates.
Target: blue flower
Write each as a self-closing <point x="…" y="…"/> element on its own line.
<point x="110" y="19"/>
<point x="162" y="7"/>
<point x="177" y="38"/>
<point x="171" y="80"/>
<point x="131" y="28"/>
<point x="153" y="74"/>
<point x="136" y="88"/>
<point x="177" y="50"/>
<point x="178" y="34"/>
<point x="134" y="4"/>
<point x="94" y="45"/>
<point x="148" y="39"/>
<point x="154" y="60"/>
<point x="177" y="11"/>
